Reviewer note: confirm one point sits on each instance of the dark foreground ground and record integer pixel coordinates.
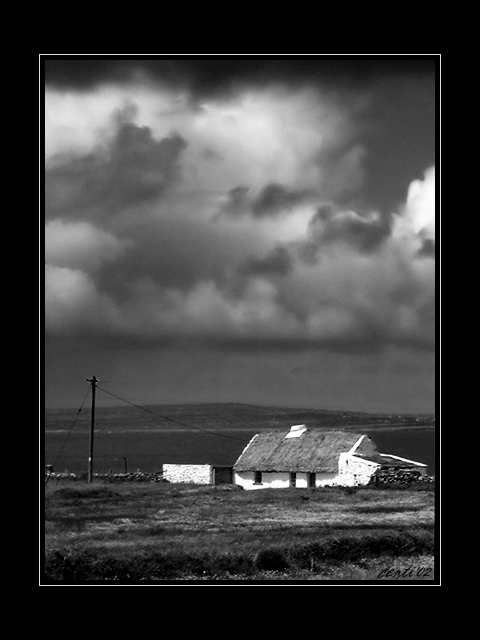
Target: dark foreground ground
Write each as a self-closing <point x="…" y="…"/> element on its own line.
<point x="134" y="533"/>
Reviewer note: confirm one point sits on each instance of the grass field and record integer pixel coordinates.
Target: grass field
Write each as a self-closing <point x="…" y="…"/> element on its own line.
<point x="137" y="532"/>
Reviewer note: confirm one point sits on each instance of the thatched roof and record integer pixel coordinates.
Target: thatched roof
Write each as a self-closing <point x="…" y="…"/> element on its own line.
<point x="315" y="450"/>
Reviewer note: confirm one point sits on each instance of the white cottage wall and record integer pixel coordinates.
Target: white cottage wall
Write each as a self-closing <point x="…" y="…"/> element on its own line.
<point x="355" y="471"/>
<point x="246" y="479"/>
<point x="301" y="481"/>
<point x="326" y="479"/>
<point x="195" y="473"/>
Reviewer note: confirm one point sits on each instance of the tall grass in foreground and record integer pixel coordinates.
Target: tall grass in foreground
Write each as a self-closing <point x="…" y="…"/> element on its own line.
<point x="147" y="532"/>
<point x="314" y="556"/>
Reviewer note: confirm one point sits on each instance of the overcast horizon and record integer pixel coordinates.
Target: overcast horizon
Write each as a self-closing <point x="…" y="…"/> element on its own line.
<point x="231" y="230"/>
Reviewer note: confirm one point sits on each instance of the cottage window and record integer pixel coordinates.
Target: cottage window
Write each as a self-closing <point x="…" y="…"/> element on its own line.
<point x="258" y="477"/>
<point x="293" y="479"/>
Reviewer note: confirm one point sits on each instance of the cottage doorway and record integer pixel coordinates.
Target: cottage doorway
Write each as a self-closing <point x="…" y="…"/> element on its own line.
<point x="311" y="480"/>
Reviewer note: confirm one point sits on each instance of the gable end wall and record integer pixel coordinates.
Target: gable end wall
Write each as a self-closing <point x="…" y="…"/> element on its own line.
<point x="354" y="471"/>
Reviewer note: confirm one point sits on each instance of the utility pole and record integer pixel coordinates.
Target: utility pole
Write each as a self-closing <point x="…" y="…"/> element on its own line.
<point x="93" y="381"/>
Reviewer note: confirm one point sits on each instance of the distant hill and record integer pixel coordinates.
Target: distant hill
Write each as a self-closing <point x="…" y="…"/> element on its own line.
<point x="220" y="416"/>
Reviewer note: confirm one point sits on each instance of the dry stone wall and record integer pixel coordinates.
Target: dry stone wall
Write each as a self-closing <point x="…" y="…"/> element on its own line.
<point x="137" y="476"/>
<point x="400" y="476"/>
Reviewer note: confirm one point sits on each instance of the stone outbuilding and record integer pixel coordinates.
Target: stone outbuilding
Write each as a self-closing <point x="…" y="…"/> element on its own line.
<point x="305" y="457"/>
<point x="197" y="473"/>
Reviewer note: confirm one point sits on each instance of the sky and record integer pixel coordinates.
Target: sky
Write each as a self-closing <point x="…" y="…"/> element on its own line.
<point x="257" y="230"/>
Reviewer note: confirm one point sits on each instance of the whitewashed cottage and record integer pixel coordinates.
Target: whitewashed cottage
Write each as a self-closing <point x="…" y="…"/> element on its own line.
<point x="305" y="457"/>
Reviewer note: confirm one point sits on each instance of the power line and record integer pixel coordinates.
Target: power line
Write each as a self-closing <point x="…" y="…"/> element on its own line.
<point x="182" y="424"/>
<point x="70" y="430"/>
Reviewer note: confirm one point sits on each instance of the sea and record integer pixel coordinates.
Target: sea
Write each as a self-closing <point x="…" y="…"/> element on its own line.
<point x="126" y="440"/>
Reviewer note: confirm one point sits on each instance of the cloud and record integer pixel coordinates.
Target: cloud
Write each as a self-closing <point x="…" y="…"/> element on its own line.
<point x="364" y="232"/>
<point x="80" y="245"/>
<point x="74" y="306"/>
<point x="226" y="222"/>
<point x="415" y="222"/>
<point x="273" y="136"/>
<point x="272" y="200"/>
<point x="343" y="171"/>
<point x="349" y="299"/>
<point x="427" y="249"/>
<point x="419" y="211"/>
<point x="276" y="198"/>
<point x="209" y="76"/>
<point x="236" y="202"/>
<point x="134" y="168"/>
<point x="277" y="262"/>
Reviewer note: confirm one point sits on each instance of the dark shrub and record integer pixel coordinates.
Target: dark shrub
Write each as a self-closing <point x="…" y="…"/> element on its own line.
<point x="89" y="492"/>
<point x="232" y="563"/>
<point x="271" y="560"/>
<point x="351" y="548"/>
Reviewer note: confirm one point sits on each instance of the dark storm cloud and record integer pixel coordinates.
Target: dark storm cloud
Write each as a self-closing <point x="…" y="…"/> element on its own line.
<point x="208" y="75"/>
<point x="152" y="262"/>
<point x="275" y="198"/>
<point x="427" y="250"/>
<point x="148" y="245"/>
<point x="330" y="226"/>
<point x="172" y="253"/>
<point x="272" y="200"/>
<point x="277" y="262"/>
<point x="135" y="168"/>
<point x="236" y="202"/>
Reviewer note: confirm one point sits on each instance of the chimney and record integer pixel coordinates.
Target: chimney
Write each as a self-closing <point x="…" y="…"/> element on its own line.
<point x="296" y="431"/>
